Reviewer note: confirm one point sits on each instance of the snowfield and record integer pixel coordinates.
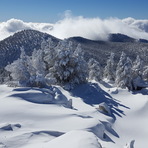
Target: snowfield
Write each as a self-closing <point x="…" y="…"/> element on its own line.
<point x="90" y="116"/>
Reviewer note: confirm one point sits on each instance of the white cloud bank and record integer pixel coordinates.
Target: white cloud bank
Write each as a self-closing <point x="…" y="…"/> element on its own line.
<point x="91" y="28"/>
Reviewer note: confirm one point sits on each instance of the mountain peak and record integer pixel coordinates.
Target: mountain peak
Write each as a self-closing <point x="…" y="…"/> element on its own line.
<point x="118" y="37"/>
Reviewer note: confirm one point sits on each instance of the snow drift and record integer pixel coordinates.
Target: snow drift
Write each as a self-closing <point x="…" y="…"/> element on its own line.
<point x="27" y="124"/>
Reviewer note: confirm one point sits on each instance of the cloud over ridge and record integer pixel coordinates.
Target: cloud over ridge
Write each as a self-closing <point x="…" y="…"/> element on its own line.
<point x="91" y="28"/>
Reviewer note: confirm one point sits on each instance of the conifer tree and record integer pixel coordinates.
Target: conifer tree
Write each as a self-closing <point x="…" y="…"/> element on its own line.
<point x="124" y="72"/>
<point x="95" y="72"/>
<point x="137" y="72"/>
<point x="145" y="74"/>
<point x="127" y="75"/>
<point x="36" y="68"/>
<point x="109" y="70"/>
<point x="120" y="69"/>
<point x="19" y="70"/>
<point x="49" y="52"/>
<point x="137" y="67"/>
<point x="67" y="66"/>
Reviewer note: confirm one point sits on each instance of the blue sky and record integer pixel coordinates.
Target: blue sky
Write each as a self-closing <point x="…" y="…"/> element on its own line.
<point x="52" y="10"/>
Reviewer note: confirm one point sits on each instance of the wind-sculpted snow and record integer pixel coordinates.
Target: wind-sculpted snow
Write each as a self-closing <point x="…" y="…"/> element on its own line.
<point x="92" y="94"/>
<point x="42" y="96"/>
<point x="9" y="127"/>
<point x="91" y="28"/>
<point x="76" y="139"/>
<point x="25" y="123"/>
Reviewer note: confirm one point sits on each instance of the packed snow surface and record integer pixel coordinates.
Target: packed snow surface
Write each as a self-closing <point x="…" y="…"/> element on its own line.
<point x="30" y="117"/>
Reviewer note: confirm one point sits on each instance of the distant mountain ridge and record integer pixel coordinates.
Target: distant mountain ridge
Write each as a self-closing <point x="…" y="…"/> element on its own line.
<point x="120" y="38"/>
<point x="114" y="37"/>
<point x="29" y="39"/>
<point x="100" y="50"/>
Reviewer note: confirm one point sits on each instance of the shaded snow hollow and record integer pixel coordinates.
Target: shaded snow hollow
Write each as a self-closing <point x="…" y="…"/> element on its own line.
<point x="54" y="117"/>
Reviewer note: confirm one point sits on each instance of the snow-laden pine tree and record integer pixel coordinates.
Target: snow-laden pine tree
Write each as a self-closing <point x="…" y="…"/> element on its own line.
<point x="67" y="69"/>
<point x="94" y="68"/>
<point x="120" y="69"/>
<point x="137" y="72"/>
<point x="126" y="75"/>
<point x="109" y="70"/>
<point x="145" y="73"/>
<point x="19" y="70"/>
<point x="36" y="68"/>
<point x="124" y="72"/>
<point x="49" y="52"/>
<point x="81" y="66"/>
<point x="138" y="67"/>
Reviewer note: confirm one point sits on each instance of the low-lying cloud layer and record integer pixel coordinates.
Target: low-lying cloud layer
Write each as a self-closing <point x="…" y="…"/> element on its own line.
<point x="91" y="28"/>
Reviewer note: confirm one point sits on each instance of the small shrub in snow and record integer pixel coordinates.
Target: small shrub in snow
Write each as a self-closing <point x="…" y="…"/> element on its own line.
<point x="61" y="99"/>
<point x="130" y="145"/>
<point x="145" y="73"/>
<point x="103" y="107"/>
<point x="114" y="91"/>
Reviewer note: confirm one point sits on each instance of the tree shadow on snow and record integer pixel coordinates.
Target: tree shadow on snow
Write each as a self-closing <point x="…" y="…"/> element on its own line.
<point x="41" y="95"/>
<point x="109" y="128"/>
<point x="39" y="98"/>
<point x="92" y="94"/>
<point x="143" y="91"/>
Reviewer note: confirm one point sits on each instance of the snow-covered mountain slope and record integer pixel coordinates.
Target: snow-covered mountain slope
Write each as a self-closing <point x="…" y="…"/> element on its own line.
<point x="31" y="39"/>
<point x="33" y="117"/>
<point x="133" y="124"/>
<point x="13" y="26"/>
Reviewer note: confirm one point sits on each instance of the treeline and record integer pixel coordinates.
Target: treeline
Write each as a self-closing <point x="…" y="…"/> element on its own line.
<point x="64" y="64"/>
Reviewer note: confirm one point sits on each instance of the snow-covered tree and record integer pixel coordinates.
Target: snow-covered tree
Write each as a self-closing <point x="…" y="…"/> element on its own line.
<point x="137" y="72"/>
<point x="120" y="69"/>
<point x="124" y="72"/>
<point x="81" y="66"/>
<point x="28" y="71"/>
<point x="126" y="75"/>
<point x="109" y="71"/>
<point x="94" y="68"/>
<point x="36" y="68"/>
<point x="63" y="64"/>
<point x="49" y="52"/>
<point x="145" y="73"/>
<point x="137" y="67"/>
<point x="19" y="71"/>
<point x="67" y="66"/>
